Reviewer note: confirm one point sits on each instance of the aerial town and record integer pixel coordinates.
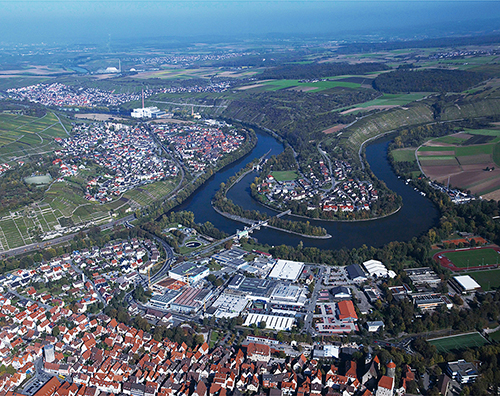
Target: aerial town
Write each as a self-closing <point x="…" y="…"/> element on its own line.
<point x="59" y="340"/>
<point x="329" y="192"/>
<point x="129" y="155"/>
<point x="197" y="146"/>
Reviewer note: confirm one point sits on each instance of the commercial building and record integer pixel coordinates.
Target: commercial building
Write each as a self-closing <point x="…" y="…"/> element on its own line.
<point x="341" y="292"/>
<point x="462" y="371"/>
<point x="189" y="272"/>
<point x="286" y="270"/>
<point x="347" y="313"/>
<point x="356" y="273"/>
<point x="326" y="351"/>
<point x="229" y="306"/>
<point x="376" y="269"/>
<point x="465" y="284"/>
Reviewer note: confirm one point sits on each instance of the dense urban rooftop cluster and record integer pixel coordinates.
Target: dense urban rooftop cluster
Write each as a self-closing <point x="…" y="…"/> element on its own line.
<point x="129" y="154"/>
<point x="199" y="146"/>
<point x="61" y="95"/>
<point x="184" y="59"/>
<point x="345" y="195"/>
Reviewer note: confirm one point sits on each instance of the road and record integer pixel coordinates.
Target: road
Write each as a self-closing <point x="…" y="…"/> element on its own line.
<point x="312" y="303"/>
<point x="56" y="241"/>
<point x="40" y="304"/>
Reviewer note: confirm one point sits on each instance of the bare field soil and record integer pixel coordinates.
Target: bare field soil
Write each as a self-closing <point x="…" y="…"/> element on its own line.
<point x="434" y="153"/>
<point x="431" y="162"/>
<point x="441" y="173"/>
<point x="334" y="129"/>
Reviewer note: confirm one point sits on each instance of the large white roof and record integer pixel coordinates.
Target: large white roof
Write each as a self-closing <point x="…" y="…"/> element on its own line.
<point x="375" y="267"/>
<point x="467" y="282"/>
<point x="286" y="270"/>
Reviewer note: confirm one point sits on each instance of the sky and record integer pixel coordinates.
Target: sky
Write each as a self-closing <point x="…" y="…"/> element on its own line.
<point x="83" y="21"/>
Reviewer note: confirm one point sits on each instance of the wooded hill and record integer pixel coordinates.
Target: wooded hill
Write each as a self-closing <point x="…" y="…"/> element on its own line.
<point x="429" y="80"/>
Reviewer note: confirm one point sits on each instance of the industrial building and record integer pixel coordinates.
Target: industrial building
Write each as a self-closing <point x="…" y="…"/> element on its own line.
<point x="162" y="302"/>
<point x="229" y="306"/>
<point x="288" y="295"/>
<point x="147" y="112"/>
<point x="274" y="322"/>
<point x="252" y="288"/>
<point x="286" y="270"/>
<point x="189" y="272"/>
<point x="465" y="284"/>
<point x="191" y="300"/>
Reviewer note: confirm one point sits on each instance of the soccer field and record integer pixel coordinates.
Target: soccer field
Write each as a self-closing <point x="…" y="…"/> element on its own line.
<point x="473" y="258"/>
<point x="458" y="342"/>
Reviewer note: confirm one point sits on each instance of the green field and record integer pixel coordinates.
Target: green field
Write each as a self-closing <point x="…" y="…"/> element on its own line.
<point x="394" y="99"/>
<point x="488" y="279"/>
<point x="495" y="336"/>
<point x="451" y="139"/>
<point x="285" y="175"/>
<point x="404" y="155"/>
<point x="458" y="342"/>
<point x="276" y="85"/>
<point x="473" y="258"/>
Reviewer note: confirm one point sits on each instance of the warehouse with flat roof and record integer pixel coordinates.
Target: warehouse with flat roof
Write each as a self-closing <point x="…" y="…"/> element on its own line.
<point x="286" y="270"/>
<point x="189" y="271"/>
<point x="465" y="284"/>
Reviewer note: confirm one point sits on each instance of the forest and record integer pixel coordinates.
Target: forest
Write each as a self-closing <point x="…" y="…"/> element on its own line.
<point x="318" y="70"/>
<point x="429" y="80"/>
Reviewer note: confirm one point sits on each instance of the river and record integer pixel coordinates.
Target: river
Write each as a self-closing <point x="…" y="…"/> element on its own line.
<point x="417" y="215"/>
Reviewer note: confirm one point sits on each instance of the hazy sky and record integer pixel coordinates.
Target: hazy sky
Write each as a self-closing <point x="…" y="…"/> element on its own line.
<point x="86" y="20"/>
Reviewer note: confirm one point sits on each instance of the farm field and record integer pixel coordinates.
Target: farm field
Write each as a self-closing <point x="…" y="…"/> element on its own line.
<point x="276" y="85"/>
<point x="458" y="342"/>
<point x="62" y="206"/>
<point x="285" y="175"/>
<point x="468" y="160"/>
<point x="22" y="136"/>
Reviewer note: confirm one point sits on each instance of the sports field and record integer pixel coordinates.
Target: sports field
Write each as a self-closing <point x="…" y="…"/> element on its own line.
<point x="474" y="257"/>
<point x="285" y="175"/>
<point x="458" y="342"/>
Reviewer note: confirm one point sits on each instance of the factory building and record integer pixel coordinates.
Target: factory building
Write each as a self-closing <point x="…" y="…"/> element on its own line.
<point x="189" y="272"/>
<point x="286" y="270"/>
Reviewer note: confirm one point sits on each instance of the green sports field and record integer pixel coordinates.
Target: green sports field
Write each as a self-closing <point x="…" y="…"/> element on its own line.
<point x="285" y="175"/>
<point x="458" y="342"/>
<point x="488" y="279"/>
<point x="473" y="258"/>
